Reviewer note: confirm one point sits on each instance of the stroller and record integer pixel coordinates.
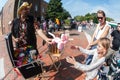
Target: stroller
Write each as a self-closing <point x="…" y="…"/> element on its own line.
<point x="115" y="66"/>
<point x="111" y="72"/>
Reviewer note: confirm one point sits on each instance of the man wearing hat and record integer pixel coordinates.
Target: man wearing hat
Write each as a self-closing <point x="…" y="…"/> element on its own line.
<point x="23" y="30"/>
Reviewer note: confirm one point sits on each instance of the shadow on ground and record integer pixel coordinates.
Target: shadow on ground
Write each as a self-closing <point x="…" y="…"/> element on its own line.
<point x="67" y="71"/>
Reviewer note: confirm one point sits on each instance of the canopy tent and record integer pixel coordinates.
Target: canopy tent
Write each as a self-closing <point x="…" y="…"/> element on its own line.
<point x="114" y="25"/>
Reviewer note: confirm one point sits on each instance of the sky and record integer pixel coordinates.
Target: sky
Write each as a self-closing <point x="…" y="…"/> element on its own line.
<point x="2" y="3"/>
<point x="82" y="7"/>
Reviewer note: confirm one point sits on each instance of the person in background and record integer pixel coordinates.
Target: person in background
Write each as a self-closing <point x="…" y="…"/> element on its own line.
<point x="57" y="21"/>
<point x="115" y="44"/>
<point x="44" y="26"/>
<point x="102" y="30"/>
<point x="98" y="59"/>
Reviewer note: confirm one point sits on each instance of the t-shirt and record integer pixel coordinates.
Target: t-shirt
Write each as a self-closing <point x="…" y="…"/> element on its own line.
<point x="116" y="40"/>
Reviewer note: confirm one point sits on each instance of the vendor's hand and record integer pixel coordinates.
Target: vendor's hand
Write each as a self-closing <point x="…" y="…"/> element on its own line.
<point x="49" y="41"/>
<point x="71" y="60"/>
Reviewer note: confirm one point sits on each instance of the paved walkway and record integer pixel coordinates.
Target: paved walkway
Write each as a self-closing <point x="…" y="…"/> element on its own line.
<point x="66" y="71"/>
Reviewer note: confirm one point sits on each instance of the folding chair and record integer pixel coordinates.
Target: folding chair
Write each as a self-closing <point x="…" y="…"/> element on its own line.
<point x="55" y="56"/>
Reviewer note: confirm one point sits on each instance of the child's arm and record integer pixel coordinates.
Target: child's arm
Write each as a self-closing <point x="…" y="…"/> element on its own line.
<point x="85" y="67"/>
<point x="83" y="50"/>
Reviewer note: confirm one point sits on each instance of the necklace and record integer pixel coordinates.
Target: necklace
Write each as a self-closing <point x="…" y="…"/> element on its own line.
<point x="102" y="26"/>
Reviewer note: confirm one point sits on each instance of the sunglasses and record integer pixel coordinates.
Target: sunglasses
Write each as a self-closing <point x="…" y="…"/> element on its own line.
<point x="99" y="17"/>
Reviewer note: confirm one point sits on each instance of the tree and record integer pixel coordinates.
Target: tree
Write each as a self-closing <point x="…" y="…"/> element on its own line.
<point x="65" y="14"/>
<point x="89" y="16"/>
<point x="79" y="18"/>
<point x="55" y="10"/>
<point x="109" y="19"/>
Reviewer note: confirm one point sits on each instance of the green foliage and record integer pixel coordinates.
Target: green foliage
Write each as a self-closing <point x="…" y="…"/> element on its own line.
<point x="55" y="10"/>
<point x="109" y="19"/>
<point x="89" y="16"/>
<point x="79" y="18"/>
<point x="67" y="22"/>
<point x="65" y="14"/>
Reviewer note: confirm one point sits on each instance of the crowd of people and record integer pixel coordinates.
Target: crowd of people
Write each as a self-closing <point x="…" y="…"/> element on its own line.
<point x="102" y="46"/>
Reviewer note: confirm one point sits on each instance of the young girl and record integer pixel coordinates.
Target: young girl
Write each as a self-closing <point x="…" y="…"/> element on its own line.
<point x="91" y="70"/>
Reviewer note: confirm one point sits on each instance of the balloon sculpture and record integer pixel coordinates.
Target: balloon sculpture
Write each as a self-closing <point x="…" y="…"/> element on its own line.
<point x="60" y="41"/>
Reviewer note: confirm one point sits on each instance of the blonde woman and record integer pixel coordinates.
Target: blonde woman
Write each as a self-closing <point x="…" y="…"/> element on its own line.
<point x="102" y="30"/>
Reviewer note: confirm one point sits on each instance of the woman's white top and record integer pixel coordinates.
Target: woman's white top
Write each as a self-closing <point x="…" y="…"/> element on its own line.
<point x="91" y="69"/>
<point x="99" y="31"/>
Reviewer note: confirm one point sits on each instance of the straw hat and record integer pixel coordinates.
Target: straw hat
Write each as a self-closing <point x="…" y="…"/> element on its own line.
<point x="23" y="6"/>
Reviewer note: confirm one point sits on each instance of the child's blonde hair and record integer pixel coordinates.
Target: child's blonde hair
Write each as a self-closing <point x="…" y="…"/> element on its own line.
<point x="105" y="42"/>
